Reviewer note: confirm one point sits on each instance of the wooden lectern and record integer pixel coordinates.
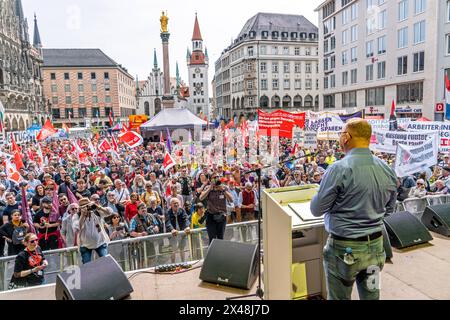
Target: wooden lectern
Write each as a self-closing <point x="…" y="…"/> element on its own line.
<point x="293" y="243"/>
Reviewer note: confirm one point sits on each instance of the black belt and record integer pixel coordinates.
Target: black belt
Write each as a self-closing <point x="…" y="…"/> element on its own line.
<point x="370" y="237"/>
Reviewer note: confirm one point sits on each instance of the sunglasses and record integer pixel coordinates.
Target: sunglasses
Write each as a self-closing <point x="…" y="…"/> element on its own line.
<point x="115" y="217"/>
<point x="33" y="241"/>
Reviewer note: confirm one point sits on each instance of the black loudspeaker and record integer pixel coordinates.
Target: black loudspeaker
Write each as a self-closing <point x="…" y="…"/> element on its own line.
<point x="437" y="219"/>
<point x="231" y="264"/>
<point x="102" y="279"/>
<point x="405" y="230"/>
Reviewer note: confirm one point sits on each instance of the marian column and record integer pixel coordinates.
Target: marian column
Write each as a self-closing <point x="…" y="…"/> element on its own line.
<point x="168" y="100"/>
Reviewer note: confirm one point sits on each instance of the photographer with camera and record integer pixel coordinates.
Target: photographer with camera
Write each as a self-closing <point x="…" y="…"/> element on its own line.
<point x="143" y="224"/>
<point x="216" y="196"/>
<point x="90" y="231"/>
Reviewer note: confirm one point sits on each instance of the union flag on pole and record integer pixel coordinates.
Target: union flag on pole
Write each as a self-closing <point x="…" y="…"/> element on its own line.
<point x="104" y="146"/>
<point x="12" y="172"/>
<point x="168" y="162"/>
<point x="47" y="131"/>
<point x="131" y="139"/>
<point x="17" y="153"/>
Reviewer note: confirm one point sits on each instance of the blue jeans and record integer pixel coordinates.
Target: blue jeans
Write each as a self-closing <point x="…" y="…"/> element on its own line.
<point x="86" y="254"/>
<point x="369" y="258"/>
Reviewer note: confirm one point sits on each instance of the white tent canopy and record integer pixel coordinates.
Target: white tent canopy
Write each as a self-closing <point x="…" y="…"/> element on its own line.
<point x="173" y="119"/>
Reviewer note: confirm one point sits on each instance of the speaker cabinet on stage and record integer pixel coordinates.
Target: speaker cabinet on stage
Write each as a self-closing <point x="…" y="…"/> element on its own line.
<point x="437" y="219"/>
<point x="102" y="279"/>
<point x="231" y="264"/>
<point x="405" y="230"/>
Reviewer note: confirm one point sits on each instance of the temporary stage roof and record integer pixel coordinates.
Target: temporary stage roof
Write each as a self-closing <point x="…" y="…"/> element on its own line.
<point x="173" y="119"/>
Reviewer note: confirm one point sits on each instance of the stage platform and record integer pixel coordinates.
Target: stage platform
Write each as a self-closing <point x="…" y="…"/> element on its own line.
<point x="417" y="273"/>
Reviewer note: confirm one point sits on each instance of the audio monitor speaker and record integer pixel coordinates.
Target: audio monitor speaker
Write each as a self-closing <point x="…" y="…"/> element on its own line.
<point x="437" y="219"/>
<point x="102" y="279"/>
<point x="230" y="263"/>
<point x="405" y="230"/>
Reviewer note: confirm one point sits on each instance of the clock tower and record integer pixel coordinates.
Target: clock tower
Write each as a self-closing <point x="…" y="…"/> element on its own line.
<point x="198" y="63"/>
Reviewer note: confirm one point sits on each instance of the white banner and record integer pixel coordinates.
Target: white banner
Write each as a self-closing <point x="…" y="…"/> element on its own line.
<point x="387" y="141"/>
<point x="310" y="140"/>
<point x="384" y="124"/>
<point x="297" y="136"/>
<point x="413" y="159"/>
<point x="442" y="127"/>
<point x="328" y="125"/>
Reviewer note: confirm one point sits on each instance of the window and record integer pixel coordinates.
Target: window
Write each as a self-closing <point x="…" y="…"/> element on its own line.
<point x="193" y="75"/>
<point x="353" y="54"/>
<point x="251" y="101"/>
<point x="308" y="67"/>
<point x="308" y="84"/>
<point x="354" y="11"/>
<point x="410" y="93"/>
<point x="345" y="16"/>
<point x="80" y="88"/>
<point x="68" y="100"/>
<point x="448" y="43"/>
<point x="375" y="97"/>
<point x="93" y="75"/>
<point x="369" y="72"/>
<point x="66" y="76"/>
<point x="108" y="99"/>
<point x="353" y="76"/>
<point x="297" y="51"/>
<point x="419" y="61"/>
<point x="55" y="100"/>
<point x="263" y="66"/>
<point x="307" y="51"/>
<point x="52" y="76"/>
<point x="81" y="100"/>
<point x="333" y="43"/>
<point x="419" y="32"/>
<point x="332" y="81"/>
<point x="263" y="50"/>
<point x="349" y="99"/>
<point x="298" y="67"/>
<point x="286" y="67"/>
<point x="402" y="65"/>
<point x="402" y="36"/>
<point x="381" y="45"/>
<point x="333" y="62"/>
<point x="82" y="113"/>
<point x="286" y="50"/>
<point x="67" y="88"/>
<point x="106" y="75"/>
<point x="371" y="25"/>
<point x="297" y="84"/>
<point x="325" y="83"/>
<point x="354" y="33"/>
<point x="80" y="76"/>
<point x="275" y="84"/>
<point x="56" y="114"/>
<point x="96" y="112"/>
<point x="344" y="37"/>
<point x="287" y="84"/>
<point x="274" y="50"/>
<point x="448" y="11"/>
<point x="345" y="78"/>
<point x="344" y="57"/>
<point x="69" y="113"/>
<point x="369" y="48"/>
<point x="325" y="46"/>
<point x="263" y="84"/>
<point x="94" y="99"/>
<point x="381" y="66"/>
<point x="370" y="3"/>
<point x="419" y="6"/>
<point x="275" y="67"/>
<point x="328" y="101"/>
<point x="94" y="87"/>
<point x="108" y="88"/>
<point x="317" y="84"/>
<point x="54" y="88"/>
<point x="403" y="10"/>
<point x="382" y="20"/>
<point x="325" y="64"/>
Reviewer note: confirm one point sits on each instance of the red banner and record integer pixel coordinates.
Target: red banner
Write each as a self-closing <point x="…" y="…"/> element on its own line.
<point x="279" y="123"/>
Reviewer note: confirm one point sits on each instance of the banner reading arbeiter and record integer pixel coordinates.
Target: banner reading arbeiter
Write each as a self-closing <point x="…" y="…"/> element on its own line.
<point x="328" y="125"/>
<point x="414" y="159"/>
<point x="387" y="141"/>
<point x="442" y="127"/>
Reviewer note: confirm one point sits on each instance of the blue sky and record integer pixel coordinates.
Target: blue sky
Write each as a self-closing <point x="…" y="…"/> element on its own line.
<point x="128" y="30"/>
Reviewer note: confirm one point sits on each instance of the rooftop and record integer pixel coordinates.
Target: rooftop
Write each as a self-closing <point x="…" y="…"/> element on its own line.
<point x="77" y="58"/>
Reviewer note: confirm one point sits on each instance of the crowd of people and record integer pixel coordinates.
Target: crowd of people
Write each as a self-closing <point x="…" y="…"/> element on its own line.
<point x="112" y="196"/>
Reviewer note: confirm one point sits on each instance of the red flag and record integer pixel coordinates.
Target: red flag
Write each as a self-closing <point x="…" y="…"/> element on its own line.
<point x="26" y="215"/>
<point x="294" y="149"/>
<point x="115" y="146"/>
<point x="104" y="146"/>
<point x="47" y="131"/>
<point x="123" y="130"/>
<point x="132" y="139"/>
<point x="393" y="109"/>
<point x="12" y="172"/>
<point x="168" y="162"/>
<point x="230" y="125"/>
<point x="17" y="153"/>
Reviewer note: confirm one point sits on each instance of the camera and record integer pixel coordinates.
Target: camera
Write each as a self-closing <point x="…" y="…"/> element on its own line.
<point x="218" y="183"/>
<point x="92" y="206"/>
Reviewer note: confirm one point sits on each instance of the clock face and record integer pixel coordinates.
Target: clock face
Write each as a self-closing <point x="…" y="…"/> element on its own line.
<point x="197" y="70"/>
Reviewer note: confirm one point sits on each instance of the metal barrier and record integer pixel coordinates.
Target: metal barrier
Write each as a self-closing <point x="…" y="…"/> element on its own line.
<point x="139" y="253"/>
<point x="416" y="206"/>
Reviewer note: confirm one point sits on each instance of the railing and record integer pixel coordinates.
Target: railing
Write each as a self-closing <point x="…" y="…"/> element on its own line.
<point x="139" y="253"/>
<point x="416" y="206"/>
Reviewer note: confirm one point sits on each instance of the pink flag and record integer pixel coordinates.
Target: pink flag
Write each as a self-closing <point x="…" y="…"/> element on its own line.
<point x="71" y="196"/>
<point x="54" y="214"/>
<point x="26" y="212"/>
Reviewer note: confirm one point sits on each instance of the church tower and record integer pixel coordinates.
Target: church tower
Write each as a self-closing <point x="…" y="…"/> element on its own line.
<point x="198" y="64"/>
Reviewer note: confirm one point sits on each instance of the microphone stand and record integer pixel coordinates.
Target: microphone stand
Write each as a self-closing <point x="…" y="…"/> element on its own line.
<point x="259" y="291"/>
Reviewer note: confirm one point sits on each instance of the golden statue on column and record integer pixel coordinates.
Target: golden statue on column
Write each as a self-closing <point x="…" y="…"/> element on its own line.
<point x="164" y="22"/>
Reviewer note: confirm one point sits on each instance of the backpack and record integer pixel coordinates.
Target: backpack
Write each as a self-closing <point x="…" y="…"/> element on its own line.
<point x="18" y="235"/>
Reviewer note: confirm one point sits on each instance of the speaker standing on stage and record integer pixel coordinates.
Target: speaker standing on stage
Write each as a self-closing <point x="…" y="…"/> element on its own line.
<point x="354" y="195"/>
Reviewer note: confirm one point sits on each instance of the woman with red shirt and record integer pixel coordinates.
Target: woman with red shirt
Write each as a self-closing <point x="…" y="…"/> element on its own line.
<point x="131" y="207"/>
